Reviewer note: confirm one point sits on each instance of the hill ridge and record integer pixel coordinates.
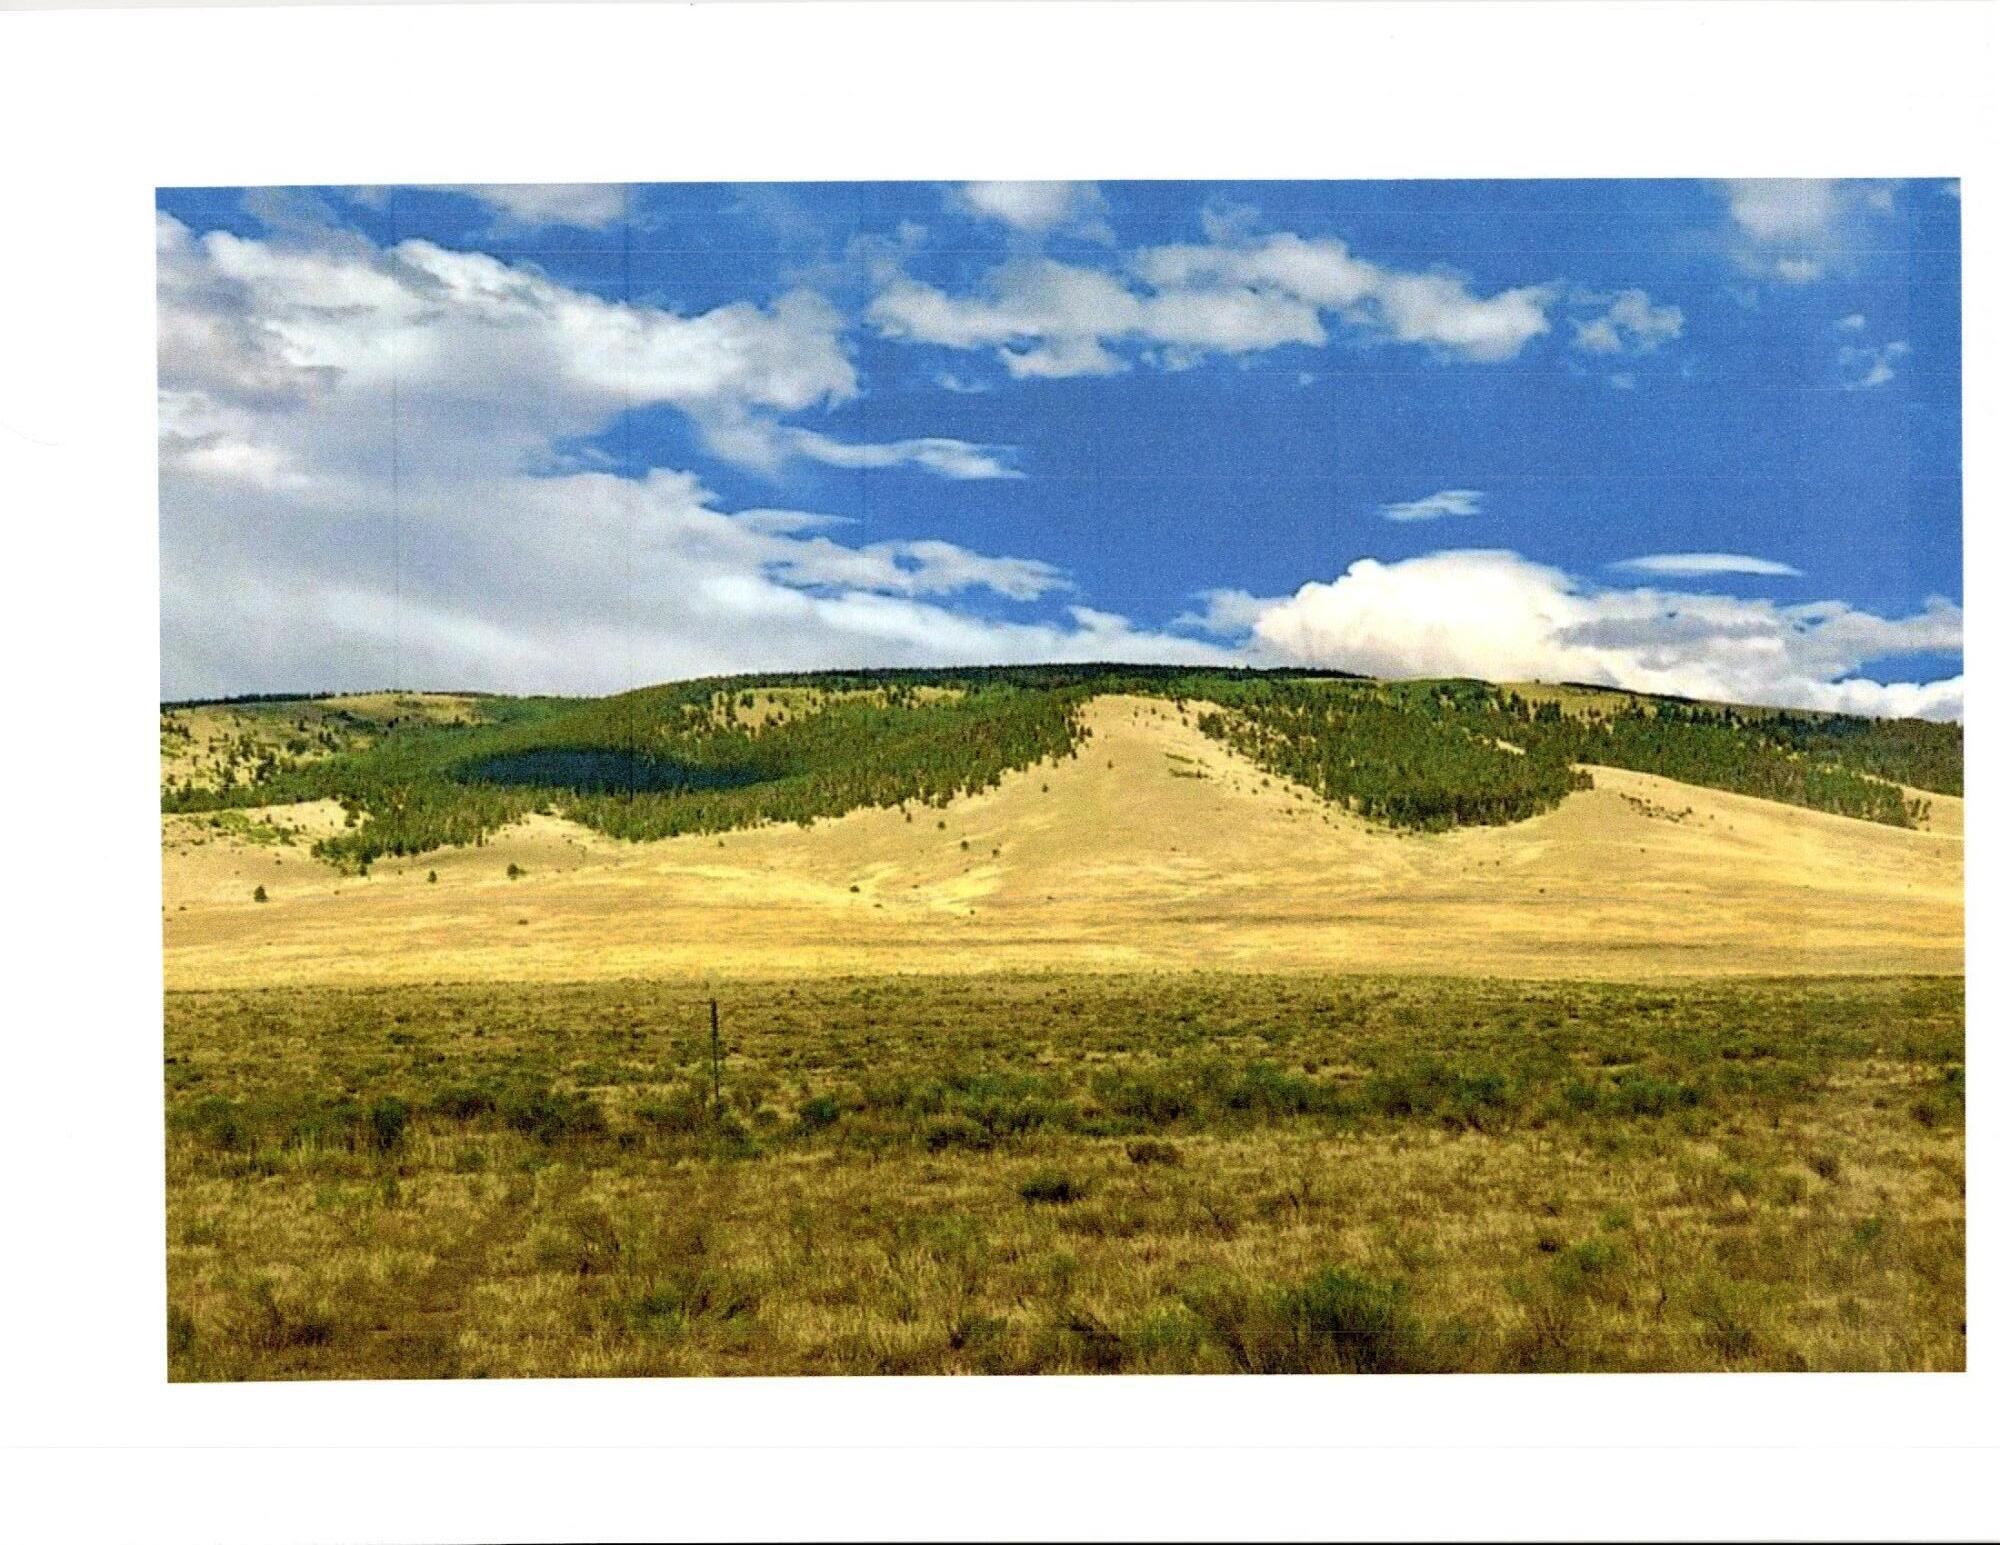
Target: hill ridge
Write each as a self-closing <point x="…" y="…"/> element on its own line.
<point x="1155" y="848"/>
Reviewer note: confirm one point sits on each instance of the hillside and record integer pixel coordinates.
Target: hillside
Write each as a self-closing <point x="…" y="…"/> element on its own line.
<point x="1065" y="825"/>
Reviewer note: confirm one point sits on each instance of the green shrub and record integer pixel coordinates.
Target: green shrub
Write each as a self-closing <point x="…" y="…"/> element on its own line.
<point x="1337" y="1321"/>
<point x="462" y="1102"/>
<point x="955" y="1131"/>
<point x="388" y="1118"/>
<point x="675" y="1302"/>
<point x="1641" y="1094"/>
<point x="1053" y="1186"/>
<point x="278" y="1324"/>
<point x="1149" y="1097"/>
<point x="1943" y="1104"/>
<point x="584" y="1240"/>
<point x="1430" y="1090"/>
<point x="1151" y="1151"/>
<point x="1267" y="1091"/>
<point x="217" y="1120"/>
<point x="550" y="1116"/>
<point x="1344" y="1322"/>
<point x="682" y="1112"/>
<point x="819" y="1113"/>
<point x="325" y="1124"/>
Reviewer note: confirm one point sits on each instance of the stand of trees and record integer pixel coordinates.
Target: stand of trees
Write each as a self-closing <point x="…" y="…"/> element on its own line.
<point x="1424" y="761"/>
<point x="1431" y="755"/>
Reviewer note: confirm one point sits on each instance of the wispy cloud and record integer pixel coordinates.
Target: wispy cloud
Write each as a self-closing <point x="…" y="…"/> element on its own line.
<point x="1692" y="565"/>
<point x="1446" y="501"/>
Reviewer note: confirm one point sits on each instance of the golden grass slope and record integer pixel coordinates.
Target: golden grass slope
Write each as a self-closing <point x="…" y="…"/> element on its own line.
<point x="1156" y="848"/>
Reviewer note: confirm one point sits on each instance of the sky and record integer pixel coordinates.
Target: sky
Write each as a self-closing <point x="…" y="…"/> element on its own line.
<point x="1676" y="436"/>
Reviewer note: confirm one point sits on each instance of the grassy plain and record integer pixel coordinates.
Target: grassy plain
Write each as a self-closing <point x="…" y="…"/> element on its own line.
<point x="1064" y="1172"/>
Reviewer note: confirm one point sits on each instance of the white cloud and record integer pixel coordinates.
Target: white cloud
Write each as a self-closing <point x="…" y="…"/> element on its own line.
<point x="948" y="458"/>
<point x="364" y="480"/>
<point x="1181" y="303"/>
<point x="1495" y="615"/>
<point x="1446" y="501"/>
<point x="757" y="442"/>
<point x="1039" y="207"/>
<point x="592" y="206"/>
<point x="1800" y="229"/>
<point x="1225" y="613"/>
<point x="1877" y="366"/>
<point x="1853" y="322"/>
<point x="1631" y="324"/>
<point x="1785" y="209"/>
<point x="1050" y="319"/>
<point x="926" y="567"/>
<point x="1690" y="565"/>
<point x="1435" y="309"/>
<point x="532" y="361"/>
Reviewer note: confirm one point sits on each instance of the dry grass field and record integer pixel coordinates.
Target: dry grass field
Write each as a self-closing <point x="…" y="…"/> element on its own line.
<point x="1182" y="1173"/>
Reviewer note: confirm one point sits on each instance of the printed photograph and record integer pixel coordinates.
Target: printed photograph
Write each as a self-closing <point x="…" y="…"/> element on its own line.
<point x="1061" y="778"/>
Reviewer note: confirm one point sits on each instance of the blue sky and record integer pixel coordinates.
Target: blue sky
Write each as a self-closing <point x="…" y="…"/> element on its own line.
<point x="1684" y="436"/>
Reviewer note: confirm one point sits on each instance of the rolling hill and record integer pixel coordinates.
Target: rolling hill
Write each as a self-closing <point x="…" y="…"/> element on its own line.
<point x="1093" y="817"/>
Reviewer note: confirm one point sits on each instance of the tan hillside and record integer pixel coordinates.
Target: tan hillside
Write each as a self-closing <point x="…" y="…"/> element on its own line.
<point x="1156" y="848"/>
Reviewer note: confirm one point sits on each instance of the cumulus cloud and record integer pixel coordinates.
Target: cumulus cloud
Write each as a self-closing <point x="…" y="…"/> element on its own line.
<point x="1781" y="209"/>
<point x="1446" y="501"/>
<point x="1693" y="565"/>
<point x="1631" y="323"/>
<point x="1436" y="309"/>
<point x="476" y="339"/>
<point x="1040" y="207"/>
<point x="1799" y="229"/>
<point x="1180" y="303"/>
<point x="1496" y="615"/>
<point x="362" y="481"/>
